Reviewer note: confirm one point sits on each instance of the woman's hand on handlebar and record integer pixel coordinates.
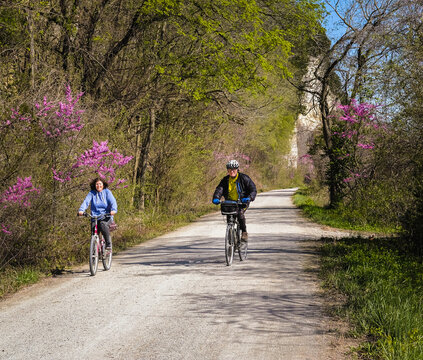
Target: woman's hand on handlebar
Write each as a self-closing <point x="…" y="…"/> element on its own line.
<point x="81" y="213"/>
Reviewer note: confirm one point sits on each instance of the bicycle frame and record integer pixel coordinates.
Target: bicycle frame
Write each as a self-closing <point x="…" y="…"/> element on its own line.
<point x="96" y="232"/>
<point x="233" y="232"/>
<point x="232" y="221"/>
<point x="98" y="247"/>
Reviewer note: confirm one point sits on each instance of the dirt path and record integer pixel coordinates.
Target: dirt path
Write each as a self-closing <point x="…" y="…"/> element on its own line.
<point x="174" y="298"/>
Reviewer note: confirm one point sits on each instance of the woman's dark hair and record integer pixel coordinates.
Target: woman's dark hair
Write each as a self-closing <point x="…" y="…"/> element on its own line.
<point x="92" y="184"/>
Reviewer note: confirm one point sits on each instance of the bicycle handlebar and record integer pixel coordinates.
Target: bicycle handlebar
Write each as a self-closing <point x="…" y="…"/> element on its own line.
<point x="239" y="202"/>
<point x="85" y="214"/>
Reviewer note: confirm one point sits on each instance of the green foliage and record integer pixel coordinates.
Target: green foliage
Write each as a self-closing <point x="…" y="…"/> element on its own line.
<point x="12" y="279"/>
<point x="180" y="157"/>
<point x="209" y="71"/>
<point x="383" y="286"/>
<point x="358" y="216"/>
<point x="390" y="192"/>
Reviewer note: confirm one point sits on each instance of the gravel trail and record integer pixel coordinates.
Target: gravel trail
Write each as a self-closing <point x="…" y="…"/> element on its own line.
<point x="174" y="298"/>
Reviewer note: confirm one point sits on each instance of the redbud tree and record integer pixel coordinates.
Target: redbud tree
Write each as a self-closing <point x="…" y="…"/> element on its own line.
<point x="45" y="160"/>
<point x="356" y="133"/>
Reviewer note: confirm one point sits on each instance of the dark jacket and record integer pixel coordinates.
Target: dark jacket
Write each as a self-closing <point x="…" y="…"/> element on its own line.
<point x="244" y="185"/>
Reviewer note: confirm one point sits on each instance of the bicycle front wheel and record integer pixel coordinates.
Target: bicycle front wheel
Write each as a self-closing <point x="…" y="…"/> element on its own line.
<point x="242" y="250"/>
<point x="107" y="258"/>
<point x="94" y="254"/>
<point x="229" y="244"/>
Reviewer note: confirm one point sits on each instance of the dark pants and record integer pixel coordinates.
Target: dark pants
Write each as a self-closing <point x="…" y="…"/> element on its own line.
<point x="241" y="219"/>
<point x="103" y="227"/>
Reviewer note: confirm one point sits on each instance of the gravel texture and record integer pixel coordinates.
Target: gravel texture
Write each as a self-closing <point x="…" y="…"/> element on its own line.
<point x="174" y="298"/>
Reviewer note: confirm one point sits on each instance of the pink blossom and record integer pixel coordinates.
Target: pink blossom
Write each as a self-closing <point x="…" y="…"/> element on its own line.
<point x="352" y="177"/>
<point x="366" y="146"/>
<point x="306" y="159"/>
<point x="19" y="193"/>
<point x="99" y="160"/>
<point x="57" y="119"/>
<point x="357" y="112"/>
<point x="119" y="182"/>
<point x="343" y="157"/>
<point x="5" y="229"/>
<point x="60" y="176"/>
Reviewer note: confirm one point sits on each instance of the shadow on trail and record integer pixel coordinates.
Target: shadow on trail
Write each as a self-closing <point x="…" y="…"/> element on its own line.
<point x="267" y="254"/>
<point x="289" y="314"/>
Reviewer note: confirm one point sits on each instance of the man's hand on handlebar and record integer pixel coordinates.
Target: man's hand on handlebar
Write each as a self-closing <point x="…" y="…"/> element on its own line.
<point x="216" y="201"/>
<point x="245" y="200"/>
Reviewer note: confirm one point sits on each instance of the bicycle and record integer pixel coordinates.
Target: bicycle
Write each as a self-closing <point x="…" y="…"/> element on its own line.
<point x="233" y="231"/>
<point x="98" y="248"/>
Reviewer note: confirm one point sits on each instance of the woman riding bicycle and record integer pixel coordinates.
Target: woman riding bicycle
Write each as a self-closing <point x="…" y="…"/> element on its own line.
<point x="236" y="186"/>
<point x="102" y="202"/>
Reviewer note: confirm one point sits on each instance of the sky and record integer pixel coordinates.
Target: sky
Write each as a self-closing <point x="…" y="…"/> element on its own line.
<point x="334" y="30"/>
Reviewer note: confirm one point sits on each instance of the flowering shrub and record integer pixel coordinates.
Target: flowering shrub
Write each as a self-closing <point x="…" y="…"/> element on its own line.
<point x="53" y="155"/>
<point x="98" y="160"/>
<point x="355" y="133"/>
<point x="57" y="119"/>
<point x="19" y="193"/>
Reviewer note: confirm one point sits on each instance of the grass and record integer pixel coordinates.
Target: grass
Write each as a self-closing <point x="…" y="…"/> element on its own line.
<point x="13" y="279"/>
<point x="313" y="207"/>
<point x="383" y="287"/>
<point x="379" y="278"/>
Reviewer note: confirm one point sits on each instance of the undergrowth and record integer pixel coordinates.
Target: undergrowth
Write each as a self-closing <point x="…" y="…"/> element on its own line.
<point x="341" y="217"/>
<point x="383" y="286"/>
<point x="131" y="231"/>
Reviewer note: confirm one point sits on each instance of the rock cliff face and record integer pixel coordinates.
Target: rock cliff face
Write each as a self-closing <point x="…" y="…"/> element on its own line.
<point x="308" y="122"/>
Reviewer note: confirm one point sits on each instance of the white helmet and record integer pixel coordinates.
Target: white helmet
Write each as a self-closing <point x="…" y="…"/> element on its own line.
<point x="232" y="164"/>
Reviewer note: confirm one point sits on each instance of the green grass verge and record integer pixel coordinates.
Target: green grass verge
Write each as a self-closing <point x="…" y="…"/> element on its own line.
<point x="383" y="287"/>
<point x="13" y="279"/>
<point x="340" y="218"/>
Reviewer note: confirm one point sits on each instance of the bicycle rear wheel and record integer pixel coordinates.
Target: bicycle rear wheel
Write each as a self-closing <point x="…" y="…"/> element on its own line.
<point x="229" y="244"/>
<point x="106" y="258"/>
<point x="94" y="255"/>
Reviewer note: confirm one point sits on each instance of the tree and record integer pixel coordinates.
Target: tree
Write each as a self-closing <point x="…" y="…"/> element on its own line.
<point x="355" y="58"/>
<point x="158" y="77"/>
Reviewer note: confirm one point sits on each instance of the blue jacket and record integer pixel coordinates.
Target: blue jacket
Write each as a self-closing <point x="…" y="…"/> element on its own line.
<point x="101" y="202"/>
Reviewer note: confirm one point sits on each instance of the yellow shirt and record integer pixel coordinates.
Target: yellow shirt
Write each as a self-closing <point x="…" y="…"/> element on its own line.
<point x="232" y="191"/>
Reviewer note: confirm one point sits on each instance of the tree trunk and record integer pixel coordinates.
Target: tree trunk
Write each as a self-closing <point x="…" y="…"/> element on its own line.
<point x="145" y="153"/>
<point x="137" y="160"/>
<point x="32" y="48"/>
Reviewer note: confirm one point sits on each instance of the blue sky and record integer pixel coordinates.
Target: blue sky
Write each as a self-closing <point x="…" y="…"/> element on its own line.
<point x="334" y="30"/>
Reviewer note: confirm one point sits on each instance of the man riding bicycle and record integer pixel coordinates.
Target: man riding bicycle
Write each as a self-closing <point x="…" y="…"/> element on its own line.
<point x="236" y="186"/>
